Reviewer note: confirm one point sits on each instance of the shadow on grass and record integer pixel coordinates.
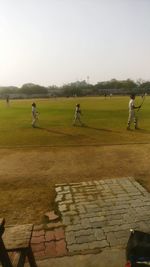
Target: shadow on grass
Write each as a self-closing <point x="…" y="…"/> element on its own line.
<point x="82" y="126"/>
<point x="100" y="129"/>
<point x="52" y="131"/>
<point x="140" y="131"/>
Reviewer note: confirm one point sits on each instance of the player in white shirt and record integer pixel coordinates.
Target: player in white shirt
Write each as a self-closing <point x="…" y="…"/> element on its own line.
<point x="77" y="115"/>
<point x="132" y="116"/>
<point x="34" y="115"/>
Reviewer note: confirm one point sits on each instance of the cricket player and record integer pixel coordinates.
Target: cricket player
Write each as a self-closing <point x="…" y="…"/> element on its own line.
<point x="34" y="115"/>
<point x="77" y="115"/>
<point x="132" y="116"/>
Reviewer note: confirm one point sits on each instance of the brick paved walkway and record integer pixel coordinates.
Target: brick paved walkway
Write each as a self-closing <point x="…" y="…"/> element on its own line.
<point x="93" y="216"/>
<point x="99" y="214"/>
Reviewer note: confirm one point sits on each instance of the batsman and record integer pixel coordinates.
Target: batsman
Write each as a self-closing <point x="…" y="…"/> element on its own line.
<point x="132" y="115"/>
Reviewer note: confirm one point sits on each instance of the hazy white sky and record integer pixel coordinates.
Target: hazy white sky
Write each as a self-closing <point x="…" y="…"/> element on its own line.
<point x="60" y="41"/>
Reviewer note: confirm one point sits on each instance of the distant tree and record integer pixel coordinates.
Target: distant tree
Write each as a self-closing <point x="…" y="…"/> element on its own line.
<point x="144" y="87"/>
<point x="30" y="88"/>
<point x="5" y="91"/>
<point x="78" y="88"/>
<point x="123" y="85"/>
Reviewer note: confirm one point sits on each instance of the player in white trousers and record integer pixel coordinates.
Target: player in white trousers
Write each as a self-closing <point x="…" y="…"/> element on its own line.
<point x="34" y="115"/>
<point x="77" y="115"/>
<point x="132" y="116"/>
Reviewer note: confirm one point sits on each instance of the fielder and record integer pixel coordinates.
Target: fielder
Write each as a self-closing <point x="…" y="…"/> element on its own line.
<point x="34" y="115"/>
<point x="77" y="115"/>
<point x="132" y="116"/>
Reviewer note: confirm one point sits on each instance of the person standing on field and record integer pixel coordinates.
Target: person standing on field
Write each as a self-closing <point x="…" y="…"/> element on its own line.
<point x="132" y="116"/>
<point x="7" y="100"/>
<point x="34" y="115"/>
<point x="77" y="116"/>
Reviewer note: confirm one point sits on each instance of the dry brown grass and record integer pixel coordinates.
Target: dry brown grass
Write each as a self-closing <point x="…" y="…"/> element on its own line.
<point x="28" y="177"/>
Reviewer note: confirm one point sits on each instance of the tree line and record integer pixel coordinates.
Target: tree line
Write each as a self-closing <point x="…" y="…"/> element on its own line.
<point x="80" y="88"/>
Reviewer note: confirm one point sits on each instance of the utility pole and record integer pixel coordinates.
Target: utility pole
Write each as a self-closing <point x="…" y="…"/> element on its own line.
<point x="88" y="79"/>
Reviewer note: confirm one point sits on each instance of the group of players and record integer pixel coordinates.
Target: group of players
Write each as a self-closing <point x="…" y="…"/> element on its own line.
<point x="77" y="116"/>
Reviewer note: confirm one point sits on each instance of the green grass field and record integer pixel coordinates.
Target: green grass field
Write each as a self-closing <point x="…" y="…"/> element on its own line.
<point x="105" y="122"/>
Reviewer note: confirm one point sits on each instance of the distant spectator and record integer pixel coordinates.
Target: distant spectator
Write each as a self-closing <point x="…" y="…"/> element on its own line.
<point x="7" y="100"/>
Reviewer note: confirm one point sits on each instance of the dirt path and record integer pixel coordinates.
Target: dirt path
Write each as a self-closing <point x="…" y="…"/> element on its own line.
<point x="27" y="177"/>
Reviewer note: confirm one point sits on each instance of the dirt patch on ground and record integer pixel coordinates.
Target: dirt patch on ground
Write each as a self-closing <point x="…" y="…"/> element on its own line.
<point x="28" y="176"/>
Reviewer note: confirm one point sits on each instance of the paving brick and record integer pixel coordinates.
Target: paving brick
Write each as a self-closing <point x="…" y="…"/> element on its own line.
<point x="51" y="215"/>
<point x="38" y="247"/>
<point x="58" y="189"/>
<point x="38" y="233"/>
<point x="59" y="233"/>
<point x="73" y="248"/>
<point x="68" y="196"/>
<point x="74" y="190"/>
<point x="66" y="220"/>
<point x="54" y="225"/>
<point x="90" y="197"/>
<point x="66" y="188"/>
<point x="38" y="227"/>
<point x="85" y="239"/>
<point x="65" y="192"/>
<point x="49" y="236"/>
<point x="98" y="244"/>
<point x="72" y="207"/>
<point x="70" y="237"/>
<point x="62" y="207"/>
<point x="81" y="209"/>
<point x="61" y="184"/>
<point x="85" y="223"/>
<point x="37" y="239"/>
<point x="97" y="219"/>
<point x="83" y="232"/>
<point x="78" y="200"/>
<point x="61" y="249"/>
<point x="87" y="215"/>
<point x="99" y="224"/>
<point x="69" y="201"/>
<point x="75" y="220"/>
<point x="59" y="198"/>
<point x="78" y="247"/>
<point x="84" y="183"/>
<point x="91" y="210"/>
<point x="40" y="255"/>
<point x="112" y="240"/>
<point x="117" y="217"/>
<point x="71" y="213"/>
<point x="99" y="234"/>
<point x="50" y="249"/>
<point x="75" y="227"/>
<point x="115" y="222"/>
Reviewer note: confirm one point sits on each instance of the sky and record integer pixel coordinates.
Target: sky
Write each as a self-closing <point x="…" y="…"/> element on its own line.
<point x="54" y="42"/>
